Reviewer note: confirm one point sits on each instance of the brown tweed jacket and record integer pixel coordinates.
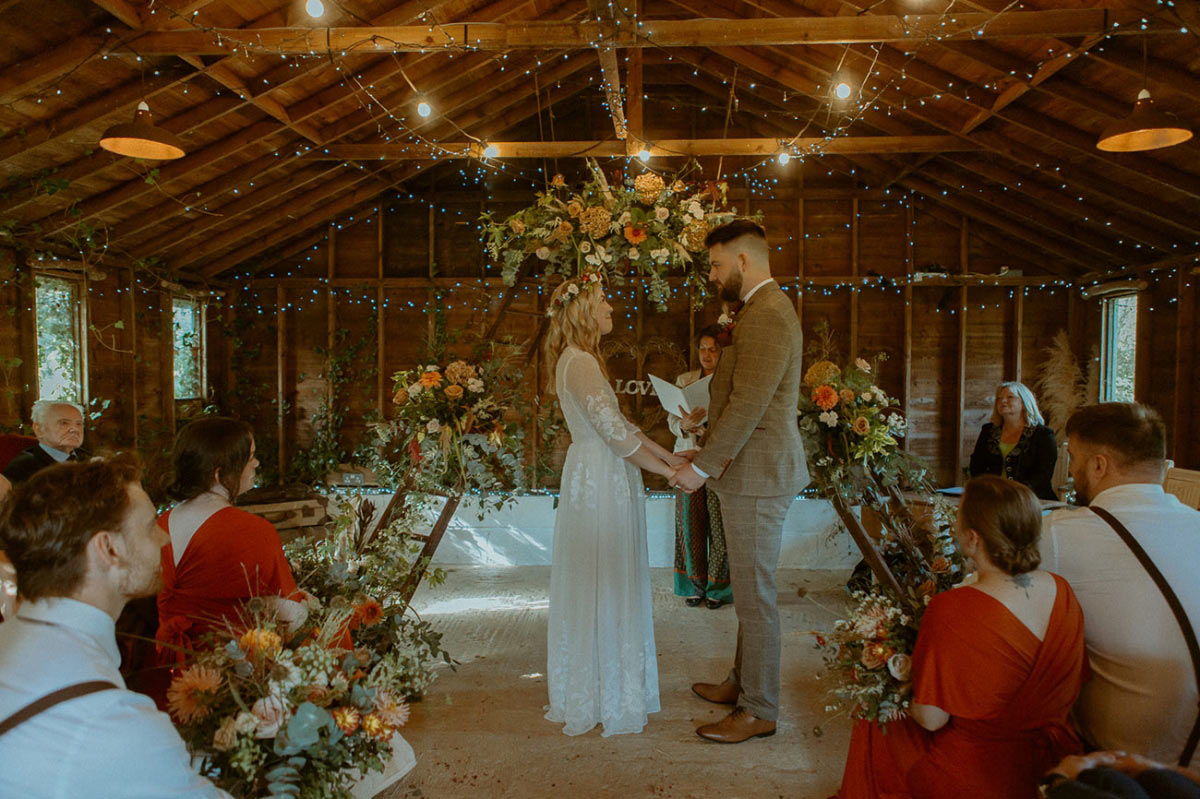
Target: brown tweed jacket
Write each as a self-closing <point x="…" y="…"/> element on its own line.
<point x="753" y="445"/>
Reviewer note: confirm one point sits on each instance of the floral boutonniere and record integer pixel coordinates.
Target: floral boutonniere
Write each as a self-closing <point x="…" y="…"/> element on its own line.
<point x="726" y="322"/>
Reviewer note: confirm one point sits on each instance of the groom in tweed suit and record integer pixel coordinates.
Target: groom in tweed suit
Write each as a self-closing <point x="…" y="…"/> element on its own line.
<point x="753" y="458"/>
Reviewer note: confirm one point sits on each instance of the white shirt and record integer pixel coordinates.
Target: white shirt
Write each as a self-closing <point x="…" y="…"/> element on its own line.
<point x="1142" y="695"/>
<point x="112" y="743"/>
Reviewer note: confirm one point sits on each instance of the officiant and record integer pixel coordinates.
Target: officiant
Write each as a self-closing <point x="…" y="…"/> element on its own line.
<point x="701" y="563"/>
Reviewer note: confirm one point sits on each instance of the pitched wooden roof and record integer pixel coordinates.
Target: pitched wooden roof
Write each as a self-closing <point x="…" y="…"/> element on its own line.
<point x="989" y="109"/>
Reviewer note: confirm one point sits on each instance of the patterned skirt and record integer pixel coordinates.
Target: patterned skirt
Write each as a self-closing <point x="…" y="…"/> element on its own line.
<point x="701" y="560"/>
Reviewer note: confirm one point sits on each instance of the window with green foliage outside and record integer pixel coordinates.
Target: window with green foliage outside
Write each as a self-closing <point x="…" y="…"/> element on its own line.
<point x="58" y="339"/>
<point x="1120" y="348"/>
<point x="189" y="348"/>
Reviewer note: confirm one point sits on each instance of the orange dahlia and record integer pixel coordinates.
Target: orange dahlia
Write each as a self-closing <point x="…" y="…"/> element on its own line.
<point x="635" y="234"/>
<point x="376" y="727"/>
<point x="369" y="613"/>
<point x="256" y="642"/>
<point x="192" y="693"/>
<point x="431" y="379"/>
<point x="825" y="397"/>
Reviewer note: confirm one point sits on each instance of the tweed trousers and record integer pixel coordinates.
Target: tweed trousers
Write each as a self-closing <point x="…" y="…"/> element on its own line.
<point x="753" y="534"/>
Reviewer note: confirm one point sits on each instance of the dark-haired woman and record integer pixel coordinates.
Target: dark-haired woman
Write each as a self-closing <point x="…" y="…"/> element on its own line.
<point x="218" y="556"/>
<point x="996" y="669"/>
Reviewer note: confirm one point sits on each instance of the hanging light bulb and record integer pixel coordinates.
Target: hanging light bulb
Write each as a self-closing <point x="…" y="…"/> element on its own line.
<point x="141" y="138"/>
<point x="314" y="8"/>
<point x="491" y="151"/>
<point x="783" y="158"/>
<point x="424" y="108"/>
<point x="644" y="154"/>
<point x="842" y="90"/>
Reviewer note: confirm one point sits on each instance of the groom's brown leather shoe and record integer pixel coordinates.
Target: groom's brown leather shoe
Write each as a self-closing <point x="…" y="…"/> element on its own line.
<point x="738" y="726"/>
<point x="725" y="693"/>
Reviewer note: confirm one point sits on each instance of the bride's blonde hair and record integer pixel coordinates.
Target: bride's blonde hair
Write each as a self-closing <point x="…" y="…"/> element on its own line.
<point x="573" y="323"/>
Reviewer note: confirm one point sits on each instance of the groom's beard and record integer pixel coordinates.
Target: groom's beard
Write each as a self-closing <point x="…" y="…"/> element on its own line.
<point x="731" y="291"/>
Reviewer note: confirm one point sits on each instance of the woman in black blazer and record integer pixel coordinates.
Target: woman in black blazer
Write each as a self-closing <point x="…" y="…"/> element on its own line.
<point x="1017" y="444"/>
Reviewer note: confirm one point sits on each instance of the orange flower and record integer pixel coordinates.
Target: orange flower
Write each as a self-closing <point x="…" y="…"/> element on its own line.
<point x="260" y="643"/>
<point x="875" y="655"/>
<point x="369" y="613"/>
<point x="347" y="719"/>
<point x="431" y="379"/>
<point x="454" y="392"/>
<point x="376" y="727"/>
<point x="861" y="426"/>
<point x="558" y="182"/>
<point x="400" y="397"/>
<point x="940" y="565"/>
<point x="825" y="397"/>
<point x="847" y="395"/>
<point x="927" y="588"/>
<point x="635" y="234"/>
<point x="192" y="693"/>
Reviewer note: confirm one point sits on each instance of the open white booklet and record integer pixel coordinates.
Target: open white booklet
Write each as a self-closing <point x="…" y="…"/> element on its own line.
<point x="673" y="397"/>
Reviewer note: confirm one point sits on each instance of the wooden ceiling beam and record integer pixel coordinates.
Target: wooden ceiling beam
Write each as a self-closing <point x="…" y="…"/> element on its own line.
<point x="815" y="145"/>
<point x="609" y="31"/>
<point x="17" y="79"/>
<point x="910" y="30"/>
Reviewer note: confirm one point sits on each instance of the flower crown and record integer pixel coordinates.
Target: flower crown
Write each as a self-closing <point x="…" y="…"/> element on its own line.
<point x="587" y="282"/>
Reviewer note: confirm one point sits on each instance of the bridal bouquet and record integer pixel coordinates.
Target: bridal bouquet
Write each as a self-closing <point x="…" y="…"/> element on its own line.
<point x="869" y="653"/>
<point x="648" y="222"/>
<point x="454" y="430"/>
<point x="302" y="715"/>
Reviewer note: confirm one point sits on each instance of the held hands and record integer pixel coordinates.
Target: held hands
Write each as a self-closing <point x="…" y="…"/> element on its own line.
<point x="685" y="477"/>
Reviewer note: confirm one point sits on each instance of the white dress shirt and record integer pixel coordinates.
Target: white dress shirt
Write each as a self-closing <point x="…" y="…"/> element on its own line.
<point x="1142" y="695"/>
<point x="112" y="743"/>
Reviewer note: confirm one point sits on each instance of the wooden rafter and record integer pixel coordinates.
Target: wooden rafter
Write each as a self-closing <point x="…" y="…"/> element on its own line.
<point x="609" y="31"/>
<point x="866" y="29"/>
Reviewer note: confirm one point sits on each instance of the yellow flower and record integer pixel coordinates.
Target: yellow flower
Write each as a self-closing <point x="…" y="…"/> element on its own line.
<point x="648" y="186"/>
<point x="454" y="392"/>
<point x="260" y="643"/>
<point x="431" y="379"/>
<point x="694" y="234"/>
<point x="192" y="693"/>
<point x="821" y="372"/>
<point x="347" y="719"/>
<point x="376" y="727"/>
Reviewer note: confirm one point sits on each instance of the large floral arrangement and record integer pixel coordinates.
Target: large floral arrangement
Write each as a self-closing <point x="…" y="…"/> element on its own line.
<point x="299" y="715"/>
<point x="869" y="652"/>
<point x="652" y="224"/>
<point x="455" y="430"/>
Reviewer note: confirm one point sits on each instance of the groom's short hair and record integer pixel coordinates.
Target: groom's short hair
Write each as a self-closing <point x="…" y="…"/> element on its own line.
<point x="741" y="234"/>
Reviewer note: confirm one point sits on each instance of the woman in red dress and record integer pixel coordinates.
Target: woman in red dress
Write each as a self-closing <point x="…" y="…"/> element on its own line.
<point x="218" y="556"/>
<point x="996" y="669"/>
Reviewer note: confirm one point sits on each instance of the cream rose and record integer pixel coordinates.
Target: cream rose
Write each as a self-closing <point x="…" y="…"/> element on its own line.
<point x="271" y="713"/>
<point x="900" y="666"/>
<point x="225" y="738"/>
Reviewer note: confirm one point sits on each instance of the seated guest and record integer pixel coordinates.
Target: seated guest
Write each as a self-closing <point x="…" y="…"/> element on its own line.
<point x="59" y="430"/>
<point x="996" y="669"/>
<point x="1142" y="695"/>
<point x="701" y="559"/>
<point x="1016" y="443"/>
<point x="84" y="541"/>
<point x="216" y="556"/>
<point x="1117" y="775"/>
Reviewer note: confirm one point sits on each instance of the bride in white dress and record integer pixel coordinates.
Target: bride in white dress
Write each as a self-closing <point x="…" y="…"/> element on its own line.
<point x="601" y="662"/>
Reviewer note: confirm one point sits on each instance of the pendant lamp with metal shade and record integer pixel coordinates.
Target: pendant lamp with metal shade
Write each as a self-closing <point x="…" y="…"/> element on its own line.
<point x="141" y="138"/>
<point x="1146" y="128"/>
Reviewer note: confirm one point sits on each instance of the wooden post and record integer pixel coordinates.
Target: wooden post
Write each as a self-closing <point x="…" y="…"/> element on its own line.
<point x="166" y="356"/>
<point x="961" y="388"/>
<point x="1018" y="333"/>
<point x="1185" y="370"/>
<point x="27" y="321"/>
<point x="800" y="245"/>
<point x="854" y="273"/>
<point x="431" y="544"/>
<point x="429" y="317"/>
<point x="380" y="380"/>
<point x="280" y="370"/>
<point x="133" y="358"/>
<point x="330" y="311"/>
<point x="908" y="317"/>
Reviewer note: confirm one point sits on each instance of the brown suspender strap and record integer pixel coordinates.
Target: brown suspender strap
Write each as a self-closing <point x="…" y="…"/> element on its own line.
<point x="51" y="699"/>
<point x="1189" y="635"/>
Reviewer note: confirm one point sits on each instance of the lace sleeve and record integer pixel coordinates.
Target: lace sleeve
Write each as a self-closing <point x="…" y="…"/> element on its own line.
<point x="584" y="380"/>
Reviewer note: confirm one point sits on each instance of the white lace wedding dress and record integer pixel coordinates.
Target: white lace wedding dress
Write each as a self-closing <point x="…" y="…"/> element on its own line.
<point x="601" y="663"/>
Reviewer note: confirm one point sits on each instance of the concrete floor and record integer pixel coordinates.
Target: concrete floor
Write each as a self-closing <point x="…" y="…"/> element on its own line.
<point x="480" y="730"/>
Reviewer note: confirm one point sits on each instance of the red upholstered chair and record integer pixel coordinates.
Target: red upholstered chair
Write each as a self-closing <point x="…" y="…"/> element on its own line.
<point x="12" y="445"/>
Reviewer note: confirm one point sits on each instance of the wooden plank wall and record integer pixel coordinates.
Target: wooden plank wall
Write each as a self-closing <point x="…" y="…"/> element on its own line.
<point x="947" y="350"/>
